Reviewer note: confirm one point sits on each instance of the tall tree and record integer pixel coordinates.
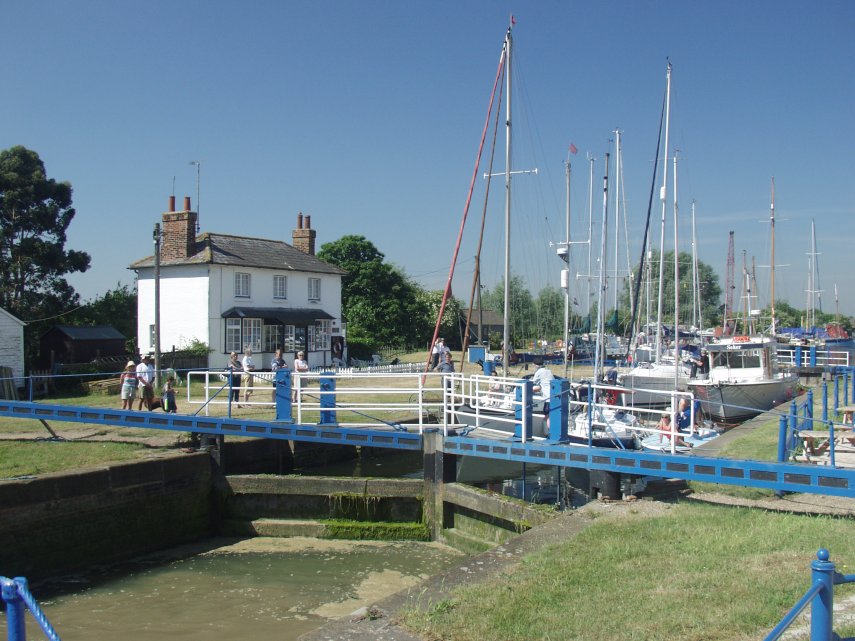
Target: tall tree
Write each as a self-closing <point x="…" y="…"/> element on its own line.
<point x="117" y="308"/>
<point x="35" y="213"/>
<point x="710" y="290"/>
<point x="376" y="297"/>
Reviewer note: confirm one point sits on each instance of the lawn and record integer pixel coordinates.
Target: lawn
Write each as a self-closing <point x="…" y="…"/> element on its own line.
<point x="699" y="572"/>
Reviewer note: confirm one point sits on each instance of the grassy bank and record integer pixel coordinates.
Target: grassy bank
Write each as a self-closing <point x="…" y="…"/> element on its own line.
<point x="697" y="573"/>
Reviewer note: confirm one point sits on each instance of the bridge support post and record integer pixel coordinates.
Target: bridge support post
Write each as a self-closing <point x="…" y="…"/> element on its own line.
<point x="825" y="401"/>
<point x="282" y="395"/>
<point x="813" y="355"/>
<point x="559" y="395"/>
<point x="822" y="571"/>
<point x="439" y="468"/>
<point x="327" y="385"/>
<point x="522" y="396"/>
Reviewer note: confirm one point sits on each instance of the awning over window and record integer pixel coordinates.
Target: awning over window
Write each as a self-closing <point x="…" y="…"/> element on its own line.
<point x="300" y="316"/>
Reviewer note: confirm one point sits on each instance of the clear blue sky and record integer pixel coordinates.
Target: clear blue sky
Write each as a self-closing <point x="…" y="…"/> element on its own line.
<point x="367" y="116"/>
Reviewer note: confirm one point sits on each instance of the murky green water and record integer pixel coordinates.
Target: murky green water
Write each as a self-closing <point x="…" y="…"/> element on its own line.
<point x="255" y="589"/>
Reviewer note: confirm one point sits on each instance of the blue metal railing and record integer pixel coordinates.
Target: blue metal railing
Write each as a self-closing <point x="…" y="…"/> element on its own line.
<point x="16" y="595"/>
<point x="820" y="596"/>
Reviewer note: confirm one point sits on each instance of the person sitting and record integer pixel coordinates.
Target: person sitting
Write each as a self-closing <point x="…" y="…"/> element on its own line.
<point x="665" y="431"/>
<point x="684" y="415"/>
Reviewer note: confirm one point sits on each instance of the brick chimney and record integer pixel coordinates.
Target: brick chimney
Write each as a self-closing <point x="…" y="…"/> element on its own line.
<point x="179" y="232"/>
<point x="304" y="236"/>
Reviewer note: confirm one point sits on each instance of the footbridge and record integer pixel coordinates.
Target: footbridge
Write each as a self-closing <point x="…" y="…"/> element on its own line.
<point x="321" y="403"/>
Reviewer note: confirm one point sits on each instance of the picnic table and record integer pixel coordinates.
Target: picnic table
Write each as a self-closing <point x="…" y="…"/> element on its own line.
<point x="848" y="413"/>
<point x="816" y="443"/>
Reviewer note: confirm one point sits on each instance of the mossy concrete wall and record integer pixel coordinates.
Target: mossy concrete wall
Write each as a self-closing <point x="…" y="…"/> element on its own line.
<point x="59" y="523"/>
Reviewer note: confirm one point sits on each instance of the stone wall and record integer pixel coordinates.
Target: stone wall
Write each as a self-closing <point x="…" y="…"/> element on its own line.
<point x="60" y="523"/>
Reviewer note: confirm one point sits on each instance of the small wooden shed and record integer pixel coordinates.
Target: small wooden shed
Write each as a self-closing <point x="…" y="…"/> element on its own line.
<point x="73" y="344"/>
<point x="11" y="349"/>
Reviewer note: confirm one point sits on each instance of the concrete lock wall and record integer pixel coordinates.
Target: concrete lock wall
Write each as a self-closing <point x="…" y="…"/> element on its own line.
<point x="61" y="523"/>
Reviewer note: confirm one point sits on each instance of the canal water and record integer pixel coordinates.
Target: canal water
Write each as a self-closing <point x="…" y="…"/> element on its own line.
<point x="253" y="589"/>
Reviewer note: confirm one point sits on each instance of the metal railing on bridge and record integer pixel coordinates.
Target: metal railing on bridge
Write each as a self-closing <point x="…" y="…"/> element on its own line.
<point x="820" y="596"/>
<point x="17" y="597"/>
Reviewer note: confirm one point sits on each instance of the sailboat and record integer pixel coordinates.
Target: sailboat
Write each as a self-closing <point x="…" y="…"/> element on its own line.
<point x="653" y="382"/>
<point x="744" y="378"/>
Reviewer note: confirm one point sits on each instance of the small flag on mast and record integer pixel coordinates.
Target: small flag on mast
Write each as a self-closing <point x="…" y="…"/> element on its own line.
<point x="513" y="20"/>
<point x="573" y="149"/>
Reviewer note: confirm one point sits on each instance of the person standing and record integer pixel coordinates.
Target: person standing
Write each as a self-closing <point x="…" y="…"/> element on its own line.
<point x="145" y="379"/>
<point x="232" y="368"/>
<point x="128" y="382"/>
<point x="276" y="364"/>
<point x="437" y="353"/>
<point x="169" y="396"/>
<point x="247" y="380"/>
<point x="300" y="367"/>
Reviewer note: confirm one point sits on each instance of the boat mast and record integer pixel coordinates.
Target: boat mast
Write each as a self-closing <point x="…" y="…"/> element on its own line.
<point x="662" y="196"/>
<point x="591" y="159"/>
<point x="506" y="338"/>
<point x="617" y="182"/>
<point x="603" y="274"/>
<point x="676" y="286"/>
<point x="697" y="321"/>
<point x="565" y="273"/>
<point x="772" y="221"/>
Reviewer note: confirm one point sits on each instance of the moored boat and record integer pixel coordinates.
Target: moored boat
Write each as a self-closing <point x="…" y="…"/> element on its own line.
<point x="744" y="379"/>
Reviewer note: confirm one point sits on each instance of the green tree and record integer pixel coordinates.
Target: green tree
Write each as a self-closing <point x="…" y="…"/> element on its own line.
<point x="709" y="288"/>
<point x="35" y="213"/>
<point x="117" y="308"/>
<point x="377" y="298"/>
<point x="521" y="309"/>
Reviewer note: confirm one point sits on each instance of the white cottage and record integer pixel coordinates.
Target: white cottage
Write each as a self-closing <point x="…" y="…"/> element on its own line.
<point x="233" y="292"/>
<point x="12" y="345"/>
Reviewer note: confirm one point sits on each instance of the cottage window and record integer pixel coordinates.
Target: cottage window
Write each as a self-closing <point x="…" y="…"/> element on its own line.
<point x="272" y="337"/>
<point x="319" y="335"/>
<point x="233" y="342"/>
<point x="280" y="287"/>
<point x="242" y="285"/>
<point x="288" y="339"/>
<point x="315" y="289"/>
<point x="252" y="334"/>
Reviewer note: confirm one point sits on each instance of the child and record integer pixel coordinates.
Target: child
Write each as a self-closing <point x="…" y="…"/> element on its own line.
<point x="169" y="396"/>
<point x="128" y="382"/>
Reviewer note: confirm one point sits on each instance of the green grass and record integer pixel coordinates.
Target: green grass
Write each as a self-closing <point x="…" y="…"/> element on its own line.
<point x="41" y="457"/>
<point x="700" y="572"/>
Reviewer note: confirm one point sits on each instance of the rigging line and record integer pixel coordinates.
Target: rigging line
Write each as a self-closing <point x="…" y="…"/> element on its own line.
<point x="476" y="280"/>
<point x="634" y="308"/>
<point x="447" y="290"/>
<point x="39" y="320"/>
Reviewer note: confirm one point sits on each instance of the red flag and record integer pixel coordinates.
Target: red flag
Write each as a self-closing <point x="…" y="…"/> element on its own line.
<point x="573" y="149"/>
<point x="513" y="20"/>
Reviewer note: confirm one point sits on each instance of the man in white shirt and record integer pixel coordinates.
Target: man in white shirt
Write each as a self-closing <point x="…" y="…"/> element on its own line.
<point x="145" y="377"/>
<point x="541" y="386"/>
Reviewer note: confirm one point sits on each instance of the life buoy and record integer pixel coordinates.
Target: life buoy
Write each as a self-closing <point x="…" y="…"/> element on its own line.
<point x="336" y="348"/>
<point x="741" y="339"/>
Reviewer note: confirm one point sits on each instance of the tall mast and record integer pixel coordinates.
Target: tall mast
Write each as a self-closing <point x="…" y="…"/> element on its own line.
<point x="507" y="313"/>
<point x="603" y="273"/>
<point x="662" y="197"/>
<point x="676" y="286"/>
<point x="697" y="321"/>
<point x="566" y="272"/>
<point x="617" y="181"/>
<point x="591" y="159"/>
<point x="772" y="220"/>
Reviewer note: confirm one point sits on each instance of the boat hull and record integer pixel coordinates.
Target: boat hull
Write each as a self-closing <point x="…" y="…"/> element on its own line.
<point x="733" y="402"/>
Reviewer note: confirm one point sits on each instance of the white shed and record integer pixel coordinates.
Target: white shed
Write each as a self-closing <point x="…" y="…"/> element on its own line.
<point x="12" y="345"/>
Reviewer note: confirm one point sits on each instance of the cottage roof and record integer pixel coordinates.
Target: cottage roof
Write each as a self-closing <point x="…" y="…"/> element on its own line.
<point x="89" y="333"/>
<point x="240" y="251"/>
